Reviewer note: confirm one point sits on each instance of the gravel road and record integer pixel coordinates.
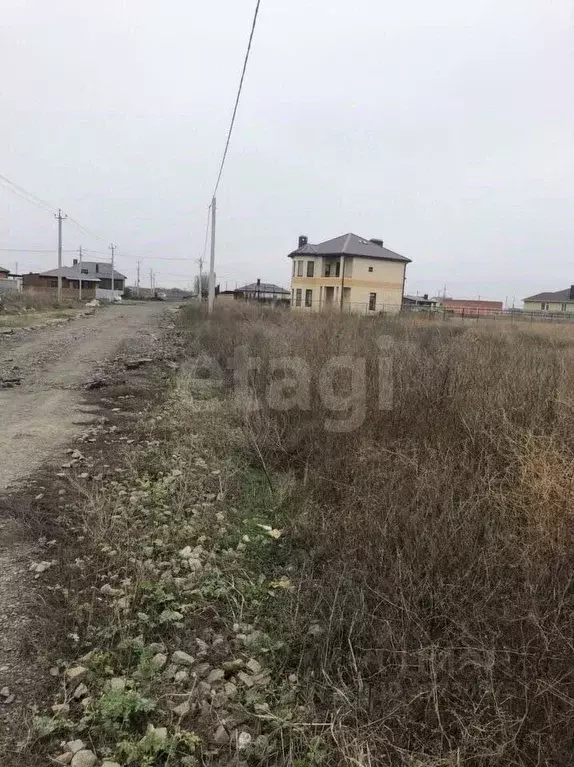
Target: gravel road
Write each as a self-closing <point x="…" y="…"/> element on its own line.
<point x="38" y="415"/>
<point x="38" y="418"/>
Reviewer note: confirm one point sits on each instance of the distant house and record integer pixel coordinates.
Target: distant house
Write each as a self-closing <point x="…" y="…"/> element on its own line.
<point x="225" y="296"/>
<point x="70" y="281"/>
<point x="348" y="273"/>
<point x="469" y="306"/>
<point x="412" y="302"/>
<point x="4" y="273"/>
<point x="558" y="301"/>
<point x="102" y="271"/>
<point x="264" y="292"/>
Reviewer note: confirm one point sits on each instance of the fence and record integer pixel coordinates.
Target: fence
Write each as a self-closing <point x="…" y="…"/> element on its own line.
<point x="52" y="293"/>
<point x="440" y="313"/>
<point x="502" y="315"/>
<point x="108" y="295"/>
<point x="9" y="286"/>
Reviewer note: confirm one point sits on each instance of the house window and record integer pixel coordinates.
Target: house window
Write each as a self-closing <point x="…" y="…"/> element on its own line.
<point x="292" y="294"/>
<point x="308" y="298"/>
<point x="299" y="268"/>
<point x="310" y="268"/>
<point x="370" y="268"/>
<point x="298" y="293"/>
<point x="327" y="270"/>
<point x="293" y="267"/>
<point x="372" y="302"/>
<point x="337" y="269"/>
<point x="563" y="307"/>
<point x="545" y="307"/>
<point x="85" y="271"/>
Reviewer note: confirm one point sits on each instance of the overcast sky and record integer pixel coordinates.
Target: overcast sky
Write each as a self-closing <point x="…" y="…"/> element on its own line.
<point x="444" y="128"/>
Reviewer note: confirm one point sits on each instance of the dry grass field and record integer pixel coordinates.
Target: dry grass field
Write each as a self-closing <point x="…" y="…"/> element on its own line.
<point x="313" y="541"/>
<point x="433" y="536"/>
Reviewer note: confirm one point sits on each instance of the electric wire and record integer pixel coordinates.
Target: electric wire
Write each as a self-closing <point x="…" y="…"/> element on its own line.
<point x="237" y="98"/>
<point x="34" y="198"/>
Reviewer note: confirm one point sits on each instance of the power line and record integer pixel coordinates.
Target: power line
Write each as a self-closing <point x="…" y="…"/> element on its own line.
<point x="26" y="199"/>
<point x="134" y="256"/>
<point x="34" y="198"/>
<point x="24" y="194"/>
<point x="85" y="229"/>
<point x="32" y="250"/>
<point x="237" y="99"/>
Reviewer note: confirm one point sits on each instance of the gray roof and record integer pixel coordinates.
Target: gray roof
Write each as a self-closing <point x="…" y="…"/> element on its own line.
<point x="349" y="245"/>
<point x="104" y="270"/>
<point x="2" y="269"/>
<point x="263" y="287"/>
<point x="559" y="295"/>
<point x="71" y="273"/>
<point x="421" y="298"/>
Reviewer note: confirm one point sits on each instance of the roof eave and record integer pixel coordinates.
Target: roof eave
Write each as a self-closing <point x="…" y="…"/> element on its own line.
<point x="398" y="259"/>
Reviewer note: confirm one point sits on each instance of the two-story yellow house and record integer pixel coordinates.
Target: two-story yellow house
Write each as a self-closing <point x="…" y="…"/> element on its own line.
<point x="348" y="273"/>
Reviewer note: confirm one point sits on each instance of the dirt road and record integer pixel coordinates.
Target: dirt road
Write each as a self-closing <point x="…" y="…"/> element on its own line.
<point x="38" y="418"/>
<point x="39" y="414"/>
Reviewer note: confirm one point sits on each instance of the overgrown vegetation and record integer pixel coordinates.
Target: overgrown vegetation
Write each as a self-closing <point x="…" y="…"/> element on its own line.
<point x="434" y="541"/>
<point x="257" y="586"/>
<point x="30" y="300"/>
<point x="165" y="578"/>
<point x="19" y="310"/>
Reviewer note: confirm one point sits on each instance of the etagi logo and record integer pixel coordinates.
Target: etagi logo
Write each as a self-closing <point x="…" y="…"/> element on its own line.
<point x="340" y="387"/>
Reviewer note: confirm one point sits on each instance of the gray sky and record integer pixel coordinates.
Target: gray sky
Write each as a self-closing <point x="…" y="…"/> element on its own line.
<point x="444" y="128"/>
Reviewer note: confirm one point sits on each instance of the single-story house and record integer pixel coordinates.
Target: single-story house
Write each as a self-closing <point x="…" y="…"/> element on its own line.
<point x="265" y="292"/>
<point x="469" y="306"/>
<point x="4" y="273"/>
<point x="102" y="271"/>
<point x="411" y="302"/>
<point x="557" y="301"/>
<point x="70" y="281"/>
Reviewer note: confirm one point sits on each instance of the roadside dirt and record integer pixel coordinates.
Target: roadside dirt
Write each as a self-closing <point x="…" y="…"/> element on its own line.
<point x="39" y="417"/>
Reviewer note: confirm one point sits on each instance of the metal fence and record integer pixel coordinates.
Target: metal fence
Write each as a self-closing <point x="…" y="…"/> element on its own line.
<point x="439" y="313"/>
<point x="502" y="315"/>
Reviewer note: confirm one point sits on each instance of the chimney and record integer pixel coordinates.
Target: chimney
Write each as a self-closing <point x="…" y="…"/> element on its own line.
<point x="303" y="240"/>
<point x="97" y="267"/>
<point x="571" y="296"/>
<point x="75" y="262"/>
<point x="426" y="297"/>
<point x="377" y="242"/>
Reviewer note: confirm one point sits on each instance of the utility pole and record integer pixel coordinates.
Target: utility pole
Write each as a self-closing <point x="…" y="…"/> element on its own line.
<point x="113" y="249"/>
<point x="80" y="282"/>
<point x="59" y="218"/>
<point x="151" y="280"/>
<point x="211" y="294"/>
<point x="138" y="279"/>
